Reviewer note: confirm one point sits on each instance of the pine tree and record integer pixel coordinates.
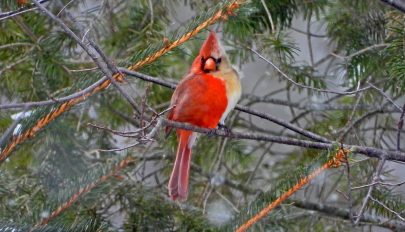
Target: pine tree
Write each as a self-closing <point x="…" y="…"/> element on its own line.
<point x="85" y="85"/>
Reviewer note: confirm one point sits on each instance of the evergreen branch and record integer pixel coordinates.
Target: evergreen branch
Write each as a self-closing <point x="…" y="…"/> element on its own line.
<point x="334" y="162"/>
<point x="55" y="113"/>
<point x="11" y="128"/>
<point x="42" y="122"/>
<point x="115" y="170"/>
<point x="107" y="68"/>
<point x="235" y="4"/>
<point x="27" y="8"/>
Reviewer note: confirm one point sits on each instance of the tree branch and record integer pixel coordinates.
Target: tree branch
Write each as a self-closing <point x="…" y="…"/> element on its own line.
<point x="368" y="151"/>
<point x="398" y="4"/>
<point x="21" y="10"/>
<point x="345" y="214"/>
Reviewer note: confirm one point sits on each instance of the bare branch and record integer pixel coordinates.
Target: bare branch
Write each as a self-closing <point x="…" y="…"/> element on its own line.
<point x="385" y="96"/>
<point x="368" y="151"/>
<point x="27" y="8"/>
<point x="398" y="4"/>
<point x="344" y="214"/>
<point x="376" y="178"/>
<point x="305" y="86"/>
<point x="55" y="100"/>
<point x="361" y="51"/>
<point x="387" y="208"/>
<point x="400" y="125"/>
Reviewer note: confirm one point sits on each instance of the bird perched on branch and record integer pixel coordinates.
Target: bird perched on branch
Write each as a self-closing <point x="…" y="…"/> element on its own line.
<point x="204" y="97"/>
<point x="21" y="2"/>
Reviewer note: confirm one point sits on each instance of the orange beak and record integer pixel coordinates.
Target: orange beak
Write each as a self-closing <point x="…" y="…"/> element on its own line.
<point x="210" y="65"/>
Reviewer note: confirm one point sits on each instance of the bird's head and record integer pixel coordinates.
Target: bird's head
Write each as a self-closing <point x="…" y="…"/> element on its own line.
<point x="212" y="57"/>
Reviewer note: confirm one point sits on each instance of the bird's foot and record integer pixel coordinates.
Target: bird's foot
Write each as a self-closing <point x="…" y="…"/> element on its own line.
<point x="223" y="127"/>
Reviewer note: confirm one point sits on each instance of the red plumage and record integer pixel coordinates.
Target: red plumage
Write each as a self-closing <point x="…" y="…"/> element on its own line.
<point x="201" y="100"/>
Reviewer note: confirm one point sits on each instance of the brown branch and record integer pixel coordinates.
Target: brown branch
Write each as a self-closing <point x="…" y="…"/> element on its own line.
<point x="334" y="162"/>
<point x="121" y="165"/>
<point x="114" y="171"/>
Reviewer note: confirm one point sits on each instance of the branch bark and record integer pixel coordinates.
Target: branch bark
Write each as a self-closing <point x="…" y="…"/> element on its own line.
<point x="368" y="151"/>
<point x="398" y="4"/>
<point x="345" y="214"/>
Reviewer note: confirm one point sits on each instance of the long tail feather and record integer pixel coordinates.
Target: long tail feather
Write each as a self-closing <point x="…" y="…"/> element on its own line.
<point x="178" y="183"/>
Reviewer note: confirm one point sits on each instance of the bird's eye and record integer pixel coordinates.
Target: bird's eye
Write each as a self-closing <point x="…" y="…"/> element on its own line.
<point x="219" y="60"/>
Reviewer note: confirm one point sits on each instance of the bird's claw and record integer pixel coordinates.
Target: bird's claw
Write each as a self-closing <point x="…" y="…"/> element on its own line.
<point x="224" y="128"/>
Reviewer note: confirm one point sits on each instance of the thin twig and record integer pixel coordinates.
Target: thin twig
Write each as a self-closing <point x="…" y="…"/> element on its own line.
<point x="27" y="8"/>
<point x="15" y="45"/>
<point x="309" y="39"/>
<point x="349" y="191"/>
<point x="379" y="183"/>
<point x="120" y="148"/>
<point x="376" y="178"/>
<point x="273" y="28"/>
<point x="361" y="51"/>
<point x="387" y="208"/>
<point x="64" y="7"/>
<point x="400" y="125"/>
<point x="82" y="93"/>
<point x="385" y="96"/>
<point x="305" y="86"/>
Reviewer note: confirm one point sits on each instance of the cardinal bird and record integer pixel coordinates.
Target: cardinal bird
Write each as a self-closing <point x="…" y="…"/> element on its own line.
<point x="204" y="97"/>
